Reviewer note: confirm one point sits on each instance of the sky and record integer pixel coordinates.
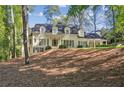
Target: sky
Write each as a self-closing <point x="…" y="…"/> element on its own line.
<point x="37" y="17"/>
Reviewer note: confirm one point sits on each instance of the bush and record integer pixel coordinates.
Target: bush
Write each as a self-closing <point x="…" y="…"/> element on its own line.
<point x="62" y="46"/>
<point x="103" y="45"/>
<point x="109" y="46"/>
<point x="79" y="46"/>
<point x="48" y="47"/>
<point x="18" y="51"/>
<point x="114" y="44"/>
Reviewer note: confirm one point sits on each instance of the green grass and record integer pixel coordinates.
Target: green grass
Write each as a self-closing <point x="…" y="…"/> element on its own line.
<point x="122" y="46"/>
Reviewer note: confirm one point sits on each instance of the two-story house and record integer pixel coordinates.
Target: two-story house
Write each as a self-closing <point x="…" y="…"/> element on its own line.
<point x="43" y="35"/>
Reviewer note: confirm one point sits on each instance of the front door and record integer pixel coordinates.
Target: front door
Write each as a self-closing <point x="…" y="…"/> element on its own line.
<point x="54" y="42"/>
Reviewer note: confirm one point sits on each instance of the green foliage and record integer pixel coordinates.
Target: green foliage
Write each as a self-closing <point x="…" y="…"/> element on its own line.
<point x="106" y="46"/>
<point x="119" y="32"/>
<point x="18" y="50"/>
<point x="6" y="31"/>
<point x="121" y="46"/>
<point x="62" y="20"/>
<point x="75" y="10"/>
<point x="103" y="45"/>
<point x="62" y="46"/>
<point x="79" y="46"/>
<point x="50" y="11"/>
<point x="48" y="47"/>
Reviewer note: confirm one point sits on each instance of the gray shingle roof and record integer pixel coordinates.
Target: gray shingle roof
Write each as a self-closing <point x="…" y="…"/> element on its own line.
<point x="74" y="30"/>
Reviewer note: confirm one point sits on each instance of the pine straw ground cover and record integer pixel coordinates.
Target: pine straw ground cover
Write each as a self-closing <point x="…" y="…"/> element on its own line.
<point x="66" y="68"/>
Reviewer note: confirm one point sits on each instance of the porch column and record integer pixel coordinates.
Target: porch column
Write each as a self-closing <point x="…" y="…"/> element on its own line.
<point x="101" y="42"/>
<point x="106" y="42"/>
<point x="50" y="42"/>
<point x="59" y="42"/>
<point x="88" y="43"/>
<point x="45" y="41"/>
<point x="75" y="43"/>
<point x="94" y="44"/>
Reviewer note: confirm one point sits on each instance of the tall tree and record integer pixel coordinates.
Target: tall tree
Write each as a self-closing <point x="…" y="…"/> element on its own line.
<point x="50" y="11"/>
<point x="25" y="31"/>
<point x="95" y="12"/>
<point x="119" y="24"/>
<point x="77" y="11"/>
<point x="61" y="19"/>
<point x="115" y="17"/>
<point x="4" y="33"/>
<point x="109" y="14"/>
<point x="91" y="16"/>
<point x="13" y="32"/>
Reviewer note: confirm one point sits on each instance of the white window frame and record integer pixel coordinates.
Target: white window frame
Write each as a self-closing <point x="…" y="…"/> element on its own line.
<point x="42" y="29"/>
<point x="67" y="30"/>
<point x="54" y="30"/>
<point x="81" y="33"/>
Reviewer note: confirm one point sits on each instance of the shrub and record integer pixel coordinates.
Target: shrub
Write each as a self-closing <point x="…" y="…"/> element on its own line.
<point x="62" y="46"/>
<point x="18" y="51"/>
<point x="48" y="47"/>
<point x="79" y="46"/>
<point x="110" y="46"/>
<point x="103" y="45"/>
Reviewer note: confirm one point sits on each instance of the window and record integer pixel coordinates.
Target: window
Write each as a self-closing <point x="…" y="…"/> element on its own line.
<point x="41" y="49"/>
<point x="42" y="29"/>
<point x="54" y="30"/>
<point x="54" y="42"/>
<point x="67" y="30"/>
<point x="80" y="43"/>
<point x="38" y="49"/>
<point x="104" y="42"/>
<point x="30" y="41"/>
<point x="34" y="39"/>
<point x="47" y="42"/>
<point x="34" y="50"/>
<point x="62" y="42"/>
<point x="97" y="43"/>
<point x="68" y="43"/>
<point x="72" y="43"/>
<point x="85" y="44"/>
<point x="42" y="42"/>
<point x="81" y="33"/>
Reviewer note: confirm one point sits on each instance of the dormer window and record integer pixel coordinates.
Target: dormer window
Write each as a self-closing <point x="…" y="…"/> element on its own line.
<point x="42" y="29"/>
<point x="81" y="33"/>
<point x="55" y="30"/>
<point x="67" y="30"/>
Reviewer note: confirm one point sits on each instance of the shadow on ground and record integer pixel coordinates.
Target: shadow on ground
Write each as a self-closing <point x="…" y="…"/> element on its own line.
<point x="66" y="68"/>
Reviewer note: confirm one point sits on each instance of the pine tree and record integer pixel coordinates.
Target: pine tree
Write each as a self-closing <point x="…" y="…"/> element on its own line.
<point x="25" y="30"/>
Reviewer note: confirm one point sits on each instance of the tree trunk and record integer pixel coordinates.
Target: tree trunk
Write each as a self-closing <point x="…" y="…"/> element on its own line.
<point x="13" y="34"/>
<point x="113" y="19"/>
<point x="25" y="31"/>
<point x="81" y="19"/>
<point x="94" y="22"/>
